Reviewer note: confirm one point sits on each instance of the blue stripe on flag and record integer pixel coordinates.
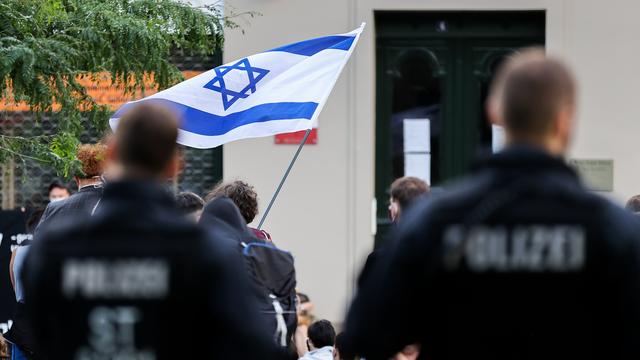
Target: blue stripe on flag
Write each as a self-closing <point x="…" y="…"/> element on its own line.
<point x="204" y="123"/>
<point x="314" y="46"/>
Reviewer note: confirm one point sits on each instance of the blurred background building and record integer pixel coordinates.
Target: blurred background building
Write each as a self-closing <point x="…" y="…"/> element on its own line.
<point x="427" y="60"/>
<point x="410" y="101"/>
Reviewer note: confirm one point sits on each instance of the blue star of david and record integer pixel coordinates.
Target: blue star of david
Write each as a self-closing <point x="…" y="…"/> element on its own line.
<point x="229" y="97"/>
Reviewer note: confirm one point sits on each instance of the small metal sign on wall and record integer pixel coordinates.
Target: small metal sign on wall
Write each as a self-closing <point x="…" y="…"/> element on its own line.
<point x="597" y="174"/>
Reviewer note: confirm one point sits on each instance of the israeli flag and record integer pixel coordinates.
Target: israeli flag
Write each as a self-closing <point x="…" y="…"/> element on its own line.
<point x="277" y="91"/>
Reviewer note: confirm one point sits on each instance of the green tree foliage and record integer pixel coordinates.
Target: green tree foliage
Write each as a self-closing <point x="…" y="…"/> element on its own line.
<point x="47" y="45"/>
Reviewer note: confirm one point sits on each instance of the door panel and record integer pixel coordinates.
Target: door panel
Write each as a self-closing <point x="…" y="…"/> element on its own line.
<point x="413" y="86"/>
<point x="437" y="66"/>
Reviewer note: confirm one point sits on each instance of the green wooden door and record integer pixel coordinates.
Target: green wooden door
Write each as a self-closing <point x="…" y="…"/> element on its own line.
<point x="435" y="68"/>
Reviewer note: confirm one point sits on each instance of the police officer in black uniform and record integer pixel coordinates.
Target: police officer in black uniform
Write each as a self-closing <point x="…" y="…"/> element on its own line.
<point x="137" y="280"/>
<point x="517" y="262"/>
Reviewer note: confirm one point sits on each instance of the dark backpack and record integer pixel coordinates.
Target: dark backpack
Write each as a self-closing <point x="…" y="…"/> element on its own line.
<point x="273" y="275"/>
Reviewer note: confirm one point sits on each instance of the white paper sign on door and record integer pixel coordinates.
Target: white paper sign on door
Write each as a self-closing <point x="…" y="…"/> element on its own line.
<point x="417" y="148"/>
<point x="497" y="138"/>
<point x="418" y="165"/>
<point x="417" y="135"/>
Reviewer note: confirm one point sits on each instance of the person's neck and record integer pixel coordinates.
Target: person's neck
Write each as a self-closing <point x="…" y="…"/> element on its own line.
<point x="138" y="175"/>
<point x="550" y="145"/>
<point x="88" y="182"/>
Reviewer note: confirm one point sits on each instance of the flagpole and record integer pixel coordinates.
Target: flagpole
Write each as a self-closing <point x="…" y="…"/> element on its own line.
<point x="284" y="178"/>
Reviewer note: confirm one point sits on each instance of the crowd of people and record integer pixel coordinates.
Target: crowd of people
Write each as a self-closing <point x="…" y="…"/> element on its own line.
<point x="518" y="261"/>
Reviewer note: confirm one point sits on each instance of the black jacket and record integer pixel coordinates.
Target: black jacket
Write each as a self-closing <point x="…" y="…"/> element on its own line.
<point x="222" y="218"/>
<point x="79" y="204"/>
<point x="138" y="279"/>
<point x="517" y="262"/>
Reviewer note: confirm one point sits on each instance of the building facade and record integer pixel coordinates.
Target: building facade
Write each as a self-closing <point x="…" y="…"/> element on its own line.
<point x="423" y="60"/>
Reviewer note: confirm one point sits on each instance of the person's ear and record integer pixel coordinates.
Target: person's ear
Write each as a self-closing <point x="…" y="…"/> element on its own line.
<point x="565" y="124"/>
<point x="77" y="180"/>
<point x="174" y="167"/>
<point x="112" y="150"/>
<point x="493" y="107"/>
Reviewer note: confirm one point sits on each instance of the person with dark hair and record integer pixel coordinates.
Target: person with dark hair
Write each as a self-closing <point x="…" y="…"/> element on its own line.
<point x="58" y="191"/>
<point x="338" y="348"/>
<point x="520" y="260"/>
<point x="222" y="215"/>
<point x="404" y="191"/>
<point x="190" y="205"/>
<point x="633" y="204"/>
<point x="116" y="281"/>
<point x="245" y="198"/>
<point x="320" y="341"/>
<point x="271" y="271"/>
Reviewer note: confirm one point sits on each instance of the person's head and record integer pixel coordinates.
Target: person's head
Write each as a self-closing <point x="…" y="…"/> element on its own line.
<point x="190" y="205"/>
<point x="338" y="349"/>
<point x="534" y="97"/>
<point x="633" y="204"/>
<point x="144" y="145"/>
<point x="404" y="191"/>
<point x="305" y="309"/>
<point x="241" y="193"/>
<point x="93" y="158"/>
<point x="320" y="334"/>
<point x="58" y="191"/>
<point x="33" y="220"/>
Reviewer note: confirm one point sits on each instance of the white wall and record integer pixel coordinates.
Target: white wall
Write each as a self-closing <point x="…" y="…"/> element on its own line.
<point x="311" y="216"/>
<point x="324" y="213"/>
<point x="601" y="42"/>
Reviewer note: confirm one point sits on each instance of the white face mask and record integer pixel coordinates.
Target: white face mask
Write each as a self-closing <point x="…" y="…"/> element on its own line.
<point x="57" y="194"/>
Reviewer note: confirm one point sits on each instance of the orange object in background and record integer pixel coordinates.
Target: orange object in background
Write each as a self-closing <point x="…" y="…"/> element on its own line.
<point x="103" y="92"/>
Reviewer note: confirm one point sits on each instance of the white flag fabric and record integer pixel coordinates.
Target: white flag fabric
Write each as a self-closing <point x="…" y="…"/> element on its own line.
<point x="277" y="91"/>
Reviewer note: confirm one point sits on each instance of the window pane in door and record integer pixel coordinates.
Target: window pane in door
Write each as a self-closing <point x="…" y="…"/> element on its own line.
<point x="415" y="119"/>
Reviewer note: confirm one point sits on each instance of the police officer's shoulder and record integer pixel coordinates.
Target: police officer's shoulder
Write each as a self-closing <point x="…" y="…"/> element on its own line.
<point x="619" y="229"/>
<point x="619" y="226"/>
<point x="457" y="196"/>
<point x="428" y="212"/>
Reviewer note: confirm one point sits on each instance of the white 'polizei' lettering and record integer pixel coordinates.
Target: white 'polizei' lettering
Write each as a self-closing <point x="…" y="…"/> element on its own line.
<point x="112" y="335"/>
<point x="131" y="278"/>
<point x="530" y="248"/>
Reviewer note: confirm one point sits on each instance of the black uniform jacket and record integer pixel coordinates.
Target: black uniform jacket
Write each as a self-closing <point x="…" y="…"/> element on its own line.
<point x="79" y="204"/>
<point x="517" y="262"/>
<point x="138" y="281"/>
